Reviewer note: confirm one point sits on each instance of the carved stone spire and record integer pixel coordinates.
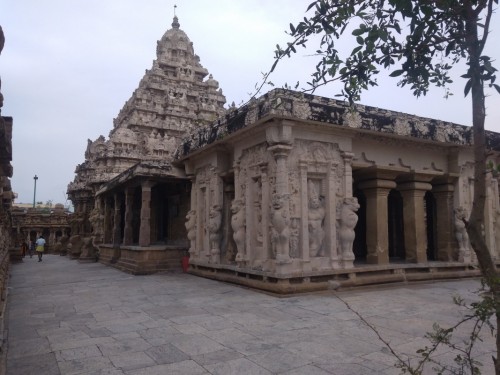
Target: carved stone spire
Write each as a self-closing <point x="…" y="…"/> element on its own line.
<point x="176" y="23"/>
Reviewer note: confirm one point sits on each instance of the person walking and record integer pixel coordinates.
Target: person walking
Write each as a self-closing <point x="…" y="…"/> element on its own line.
<point x="40" y="246"/>
<point x="31" y="248"/>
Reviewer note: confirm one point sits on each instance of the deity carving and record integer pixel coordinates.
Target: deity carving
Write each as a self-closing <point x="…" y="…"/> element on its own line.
<point x="294" y="237"/>
<point x="280" y="222"/>
<point x="214" y="226"/>
<point x="96" y="219"/>
<point x="75" y="246"/>
<point x="87" y="249"/>
<point x="258" y="210"/>
<point x="347" y="220"/>
<point x="238" y="226"/>
<point x="461" y="234"/>
<point x="191" y="231"/>
<point x="64" y="239"/>
<point x="316" y="216"/>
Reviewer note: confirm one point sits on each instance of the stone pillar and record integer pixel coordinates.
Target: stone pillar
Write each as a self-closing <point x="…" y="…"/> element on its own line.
<point x="117" y="239"/>
<point x="280" y="216"/>
<point x="414" y="220"/>
<point x="489" y="215"/>
<point x="266" y="251"/>
<point x="237" y="182"/>
<point x="446" y="241"/>
<point x="377" y="230"/>
<point x="348" y="156"/>
<point x="52" y="238"/>
<point x="331" y="216"/>
<point x="145" y="228"/>
<point x="304" y="212"/>
<point x="128" y="230"/>
<point x="107" y="221"/>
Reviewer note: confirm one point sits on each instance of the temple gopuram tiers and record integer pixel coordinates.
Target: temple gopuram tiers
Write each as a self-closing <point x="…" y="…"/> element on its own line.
<point x="174" y="97"/>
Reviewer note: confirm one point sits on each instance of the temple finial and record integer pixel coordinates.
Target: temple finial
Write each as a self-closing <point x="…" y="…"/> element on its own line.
<point x="175" y="24"/>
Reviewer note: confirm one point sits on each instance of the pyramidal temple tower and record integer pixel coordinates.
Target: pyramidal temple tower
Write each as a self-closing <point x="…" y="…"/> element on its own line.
<point x="174" y="97"/>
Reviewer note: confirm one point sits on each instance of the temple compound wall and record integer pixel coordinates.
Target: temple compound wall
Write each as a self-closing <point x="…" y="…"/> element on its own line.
<point x="6" y="197"/>
<point x="293" y="191"/>
<point x="30" y="223"/>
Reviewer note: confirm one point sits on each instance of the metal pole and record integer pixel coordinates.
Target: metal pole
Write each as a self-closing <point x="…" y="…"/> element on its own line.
<point x="34" y="193"/>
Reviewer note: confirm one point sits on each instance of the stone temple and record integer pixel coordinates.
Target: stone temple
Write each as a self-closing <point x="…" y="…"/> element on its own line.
<point x="290" y="192"/>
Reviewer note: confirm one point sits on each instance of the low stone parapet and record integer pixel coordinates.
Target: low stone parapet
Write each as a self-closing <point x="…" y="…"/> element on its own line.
<point x="143" y="260"/>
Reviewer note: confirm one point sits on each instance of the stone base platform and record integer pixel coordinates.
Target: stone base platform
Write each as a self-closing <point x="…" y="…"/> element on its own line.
<point x="360" y="275"/>
<point x="145" y="260"/>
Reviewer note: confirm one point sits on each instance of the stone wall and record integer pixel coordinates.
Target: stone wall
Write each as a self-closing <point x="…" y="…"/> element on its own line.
<point x="5" y="206"/>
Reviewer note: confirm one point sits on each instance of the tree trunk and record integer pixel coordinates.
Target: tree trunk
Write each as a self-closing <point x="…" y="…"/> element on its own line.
<point x="475" y="224"/>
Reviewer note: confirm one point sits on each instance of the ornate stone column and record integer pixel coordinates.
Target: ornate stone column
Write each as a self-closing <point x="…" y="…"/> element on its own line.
<point x="446" y="241"/>
<point x="348" y="156"/>
<point x="414" y="220"/>
<point x="107" y="222"/>
<point x="117" y="239"/>
<point x="280" y="216"/>
<point x="128" y="230"/>
<point x="304" y="212"/>
<point x="145" y="228"/>
<point x="331" y="216"/>
<point x="377" y="231"/>
<point x="265" y="211"/>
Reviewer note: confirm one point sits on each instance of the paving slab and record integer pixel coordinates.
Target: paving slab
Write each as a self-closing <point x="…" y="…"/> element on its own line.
<point x="65" y="318"/>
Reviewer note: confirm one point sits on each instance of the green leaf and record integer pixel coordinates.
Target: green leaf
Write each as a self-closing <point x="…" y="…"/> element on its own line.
<point x="356" y="50"/>
<point x="358" y="32"/>
<point x="497" y="87"/>
<point x="396" y="73"/>
<point x="467" y="88"/>
<point x="360" y="40"/>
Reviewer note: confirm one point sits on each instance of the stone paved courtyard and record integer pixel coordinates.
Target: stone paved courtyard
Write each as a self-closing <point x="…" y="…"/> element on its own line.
<point x="70" y="318"/>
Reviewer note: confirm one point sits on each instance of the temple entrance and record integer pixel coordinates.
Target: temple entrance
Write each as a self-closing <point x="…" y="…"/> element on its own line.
<point x="168" y="212"/>
<point x="430" y="221"/>
<point x="359" y="246"/>
<point x="396" y="226"/>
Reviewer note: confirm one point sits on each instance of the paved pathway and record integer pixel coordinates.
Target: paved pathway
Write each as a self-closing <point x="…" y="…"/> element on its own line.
<point x="71" y="318"/>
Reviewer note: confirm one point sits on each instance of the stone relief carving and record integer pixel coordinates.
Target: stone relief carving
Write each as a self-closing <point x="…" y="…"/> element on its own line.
<point x="353" y="119"/>
<point x="96" y="219"/>
<point x="346" y="221"/>
<point x="280" y="222"/>
<point x="402" y="127"/>
<point x="257" y="203"/>
<point x="191" y="231"/>
<point x="294" y="237"/>
<point x="238" y="226"/>
<point x="316" y="216"/>
<point x="464" y="251"/>
<point x="214" y="228"/>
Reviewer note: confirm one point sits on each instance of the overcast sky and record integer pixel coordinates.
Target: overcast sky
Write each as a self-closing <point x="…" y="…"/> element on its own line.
<point x="68" y="67"/>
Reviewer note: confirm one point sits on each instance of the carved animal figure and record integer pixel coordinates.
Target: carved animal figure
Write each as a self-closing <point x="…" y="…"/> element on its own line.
<point x="280" y="222"/>
<point x="347" y="220"/>
<point x="214" y="224"/>
<point x="461" y="234"/>
<point x="191" y="230"/>
<point x="238" y="226"/>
